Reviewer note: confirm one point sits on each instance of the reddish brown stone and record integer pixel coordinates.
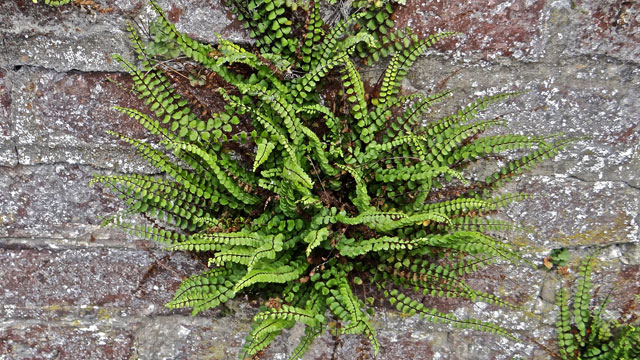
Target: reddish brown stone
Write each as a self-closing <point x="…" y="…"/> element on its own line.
<point x="174" y="14"/>
<point x="501" y="27"/>
<point x="80" y="105"/>
<point x="624" y="284"/>
<point x="609" y="27"/>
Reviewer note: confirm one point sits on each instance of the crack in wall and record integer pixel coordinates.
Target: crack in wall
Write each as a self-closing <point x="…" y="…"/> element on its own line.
<point x="589" y="247"/>
<point x="576" y="177"/>
<point x="89" y="166"/>
<point x="19" y="66"/>
<point x="60" y="245"/>
<point x="15" y="148"/>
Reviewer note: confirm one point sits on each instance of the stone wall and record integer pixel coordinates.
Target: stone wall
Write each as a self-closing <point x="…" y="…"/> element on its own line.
<point x="70" y="289"/>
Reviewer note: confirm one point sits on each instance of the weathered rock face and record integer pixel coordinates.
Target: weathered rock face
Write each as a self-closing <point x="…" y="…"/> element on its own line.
<point x="492" y="29"/>
<point x="71" y="38"/>
<point x="70" y="289"/>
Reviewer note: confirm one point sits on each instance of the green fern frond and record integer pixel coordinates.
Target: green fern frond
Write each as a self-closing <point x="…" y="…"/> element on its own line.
<point x="522" y="164"/>
<point x="392" y="42"/>
<point x="287" y="312"/>
<point x="353" y="248"/>
<point x="144" y="231"/>
<point x="330" y="43"/>
<point x="212" y="241"/>
<point x="251" y="60"/>
<point x="318" y="151"/>
<point x="186" y="179"/>
<point x="310" y="333"/>
<point x="581" y="301"/>
<point x="402" y="60"/>
<point x="465" y="114"/>
<point x="280" y="106"/>
<point x="362" y="200"/>
<point x="314" y="238"/>
<point x="55" y="2"/>
<point x="278" y="272"/>
<point x="146" y="194"/>
<point x="312" y="37"/>
<point x="191" y="48"/>
<point x="308" y="83"/>
<point x="264" y="150"/>
<point x="206" y="290"/>
<point x="473" y="223"/>
<point x="497" y="144"/>
<point x="262" y="334"/>
<point x="162" y="100"/>
<point x="355" y="93"/>
<point x="347" y="307"/>
<point x="412" y="117"/>
<point x="410" y="306"/>
<point x="454" y="137"/>
<point x="226" y="181"/>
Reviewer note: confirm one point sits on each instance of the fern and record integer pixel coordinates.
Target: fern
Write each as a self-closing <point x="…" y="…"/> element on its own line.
<point x="306" y="185"/>
<point x="586" y="334"/>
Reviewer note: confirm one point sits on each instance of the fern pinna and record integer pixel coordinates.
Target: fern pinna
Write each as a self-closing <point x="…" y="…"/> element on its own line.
<point x="305" y="185"/>
<point x="54" y="2"/>
<point x="587" y="334"/>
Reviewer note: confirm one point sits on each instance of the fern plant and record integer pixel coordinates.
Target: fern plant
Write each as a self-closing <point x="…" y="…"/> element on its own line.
<point x="587" y="334"/>
<point x="305" y="186"/>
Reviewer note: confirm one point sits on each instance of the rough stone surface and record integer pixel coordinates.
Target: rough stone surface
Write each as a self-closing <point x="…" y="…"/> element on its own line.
<point x="602" y="212"/>
<point x="8" y="154"/>
<point x="492" y="28"/>
<point x="50" y="202"/>
<point x="71" y="289"/>
<point x="60" y="117"/>
<point x="605" y="27"/>
<point x="83" y="38"/>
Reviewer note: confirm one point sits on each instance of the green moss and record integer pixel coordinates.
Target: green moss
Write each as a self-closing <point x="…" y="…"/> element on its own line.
<point x="599" y="234"/>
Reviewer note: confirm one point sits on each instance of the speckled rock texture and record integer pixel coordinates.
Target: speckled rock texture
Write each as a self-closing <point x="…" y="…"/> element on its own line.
<point x="70" y="289"/>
